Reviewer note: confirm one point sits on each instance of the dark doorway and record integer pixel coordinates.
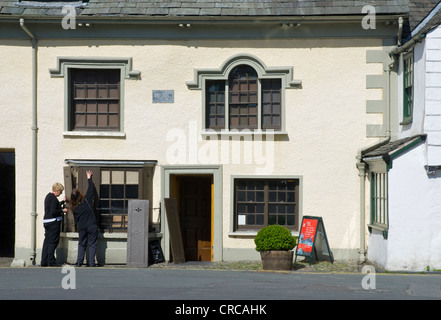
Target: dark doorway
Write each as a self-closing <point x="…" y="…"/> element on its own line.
<point x="195" y="212"/>
<point x="7" y="203"/>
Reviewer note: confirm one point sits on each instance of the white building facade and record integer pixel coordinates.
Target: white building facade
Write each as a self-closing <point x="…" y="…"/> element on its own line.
<point x="409" y="237"/>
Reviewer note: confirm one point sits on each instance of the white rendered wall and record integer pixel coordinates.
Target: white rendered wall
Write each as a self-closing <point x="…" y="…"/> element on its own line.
<point x="414" y="236"/>
<point x="325" y="121"/>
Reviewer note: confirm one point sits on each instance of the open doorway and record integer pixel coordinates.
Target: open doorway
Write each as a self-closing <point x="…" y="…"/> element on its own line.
<point x="7" y="201"/>
<point x="194" y="195"/>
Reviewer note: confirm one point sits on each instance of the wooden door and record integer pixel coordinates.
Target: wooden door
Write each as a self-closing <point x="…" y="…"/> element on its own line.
<point x="195" y="215"/>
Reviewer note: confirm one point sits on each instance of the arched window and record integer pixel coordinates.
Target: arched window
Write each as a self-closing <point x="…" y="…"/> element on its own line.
<point x="242" y="90"/>
<point x="253" y="103"/>
<point x="244" y="94"/>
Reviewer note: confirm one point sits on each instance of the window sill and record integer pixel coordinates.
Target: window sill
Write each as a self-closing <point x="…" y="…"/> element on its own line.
<point x="406" y="121"/>
<point x="110" y="235"/>
<point x="252" y="234"/>
<point x="243" y="234"/>
<point x="94" y="134"/>
<point x="228" y="133"/>
<point x="380" y="227"/>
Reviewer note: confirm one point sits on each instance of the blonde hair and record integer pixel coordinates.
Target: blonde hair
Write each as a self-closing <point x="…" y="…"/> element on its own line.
<point x="57" y="187"/>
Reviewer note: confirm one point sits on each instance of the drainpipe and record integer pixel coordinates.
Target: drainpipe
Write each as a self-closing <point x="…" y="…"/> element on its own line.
<point x="362" y="165"/>
<point x="400" y="30"/>
<point x="34" y="128"/>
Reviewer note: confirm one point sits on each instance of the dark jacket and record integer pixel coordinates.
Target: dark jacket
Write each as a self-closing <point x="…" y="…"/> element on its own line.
<point x="52" y="207"/>
<point x="83" y="214"/>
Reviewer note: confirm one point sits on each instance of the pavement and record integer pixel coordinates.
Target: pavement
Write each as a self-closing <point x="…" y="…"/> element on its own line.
<point x="347" y="266"/>
<point x="236" y="282"/>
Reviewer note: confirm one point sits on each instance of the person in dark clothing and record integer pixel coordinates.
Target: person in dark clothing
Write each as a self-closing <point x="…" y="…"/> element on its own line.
<point x="53" y="215"/>
<point x="85" y="219"/>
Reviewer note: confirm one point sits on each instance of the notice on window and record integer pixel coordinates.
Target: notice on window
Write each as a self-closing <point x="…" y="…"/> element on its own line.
<point x="306" y="237"/>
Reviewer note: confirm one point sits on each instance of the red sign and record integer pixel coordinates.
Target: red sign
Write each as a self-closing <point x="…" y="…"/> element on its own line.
<point x="307" y="234"/>
<point x="312" y="239"/>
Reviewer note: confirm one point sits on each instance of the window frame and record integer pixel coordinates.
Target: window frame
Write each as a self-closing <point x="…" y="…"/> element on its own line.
<point x="233" y="99"/>
<point x="285" y="74"/>
<point x="72" y="124"/>
<point x="379" y="200"/>
<point x="112" y="226"/>
<point x="408" y="85"/>
<point x="62" y="70"/>
<point x="144" y="170"/>
<point x="235" y="230"/>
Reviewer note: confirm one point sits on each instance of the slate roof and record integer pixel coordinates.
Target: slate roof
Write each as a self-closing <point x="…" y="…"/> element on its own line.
<point x="433" y="22"/>
<point x="387" y="150"/>
<point x="418" y="10"/>
<point x="206" y="8"/>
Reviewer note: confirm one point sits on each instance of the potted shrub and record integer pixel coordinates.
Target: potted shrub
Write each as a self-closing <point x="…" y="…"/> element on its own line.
<point x="275" y="244"/>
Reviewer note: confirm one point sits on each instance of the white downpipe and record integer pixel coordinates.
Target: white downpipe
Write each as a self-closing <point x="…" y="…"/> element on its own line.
<point x="34" y="129"/>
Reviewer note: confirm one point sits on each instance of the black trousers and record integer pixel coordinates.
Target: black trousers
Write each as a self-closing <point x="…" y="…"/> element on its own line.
<point x="88" y="236"/>
<point x="51" y="239"/>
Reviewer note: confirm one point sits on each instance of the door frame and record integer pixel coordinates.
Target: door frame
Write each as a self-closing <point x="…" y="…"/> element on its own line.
<point x="216" y="172"/>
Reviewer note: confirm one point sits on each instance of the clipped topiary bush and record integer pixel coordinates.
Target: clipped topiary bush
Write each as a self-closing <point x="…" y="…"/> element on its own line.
<point x="274" y="237"/>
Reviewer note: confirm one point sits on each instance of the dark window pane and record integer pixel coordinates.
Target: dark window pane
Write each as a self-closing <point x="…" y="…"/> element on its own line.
<point x="272" y="219"/>
<point x="281" y="220"/>
<point x="104" y="191"/>
<point x="132" y="191"/>
<point x="250" y="208"/>
<point x="104" y="206"/>
<point x="117" y="205"/>
<point x="272" y="196"/>
<point x="117" y="191"/>
<point x="281" y="197"/>
<point x="272" y="208"/>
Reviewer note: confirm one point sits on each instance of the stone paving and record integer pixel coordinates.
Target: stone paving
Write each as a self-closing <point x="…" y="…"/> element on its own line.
<point x="300" y="266"/>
